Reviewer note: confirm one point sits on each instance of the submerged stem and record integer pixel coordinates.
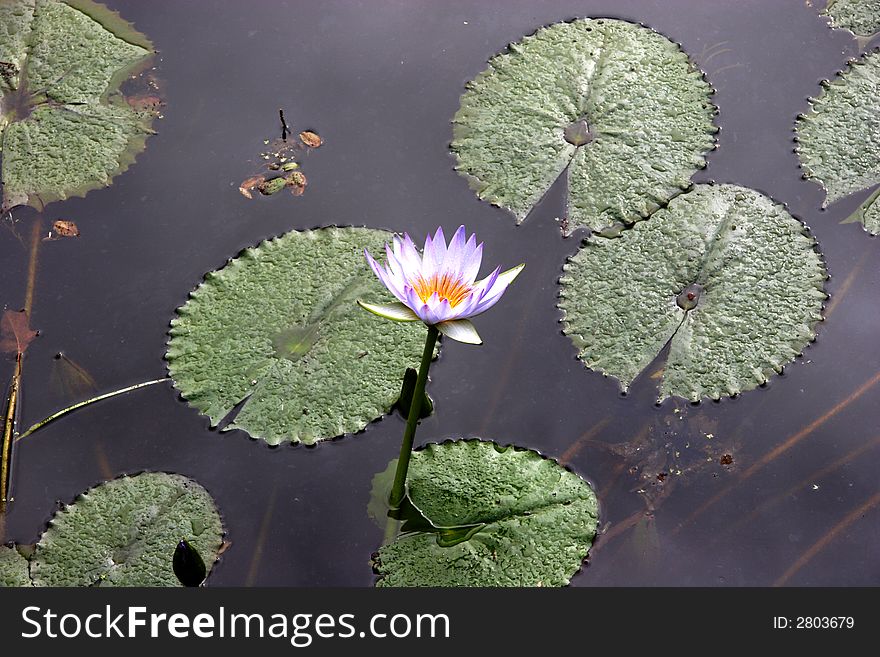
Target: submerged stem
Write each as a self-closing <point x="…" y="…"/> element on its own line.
<point x="65" y="411"/>
<point x="398" y="490"/>
<point x="8" y="438"/>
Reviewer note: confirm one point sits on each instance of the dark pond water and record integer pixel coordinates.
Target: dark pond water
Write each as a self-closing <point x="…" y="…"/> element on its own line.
<point x="380" y="82"/>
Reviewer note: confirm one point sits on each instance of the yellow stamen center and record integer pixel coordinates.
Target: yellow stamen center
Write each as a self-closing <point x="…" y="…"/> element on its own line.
<point x="454" y="290"/>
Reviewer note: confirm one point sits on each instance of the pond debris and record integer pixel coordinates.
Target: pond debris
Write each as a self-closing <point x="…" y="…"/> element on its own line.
<point x="15" y="332"/>
<point x="61" y="228"/>
<point x="297" y="182"/>
<point x="15" y="336"/>
<point x="250" y="184"/>
<point x="282" y="168"/>
<point x="273" y="186"/>
<point x="285" y="129"/>
<point x="310" y="139"/>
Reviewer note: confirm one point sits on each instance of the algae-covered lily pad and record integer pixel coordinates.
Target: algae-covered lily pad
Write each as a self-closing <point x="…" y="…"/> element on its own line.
<point x="839" y="138"/>
<point x="65" y="128"/>
<point x="861" y="17"/>
<point x="13" y="568"/>
<point x="501" y="516"/>
<point x="618" y="106"/>
<point x="278" y="328"/>
<point x="124" y="533"/>
<point x="725" y="276"/>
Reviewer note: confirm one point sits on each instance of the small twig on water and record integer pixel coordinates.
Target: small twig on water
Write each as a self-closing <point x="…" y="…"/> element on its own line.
<point x="65" y="411"/>
<point x="285" y="129"/>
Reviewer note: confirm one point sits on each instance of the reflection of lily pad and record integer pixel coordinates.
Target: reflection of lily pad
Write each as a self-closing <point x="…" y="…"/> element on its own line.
<point x="839" y="139"/>
<point x="522" y="520"/>
<point x="729" y="279"/>
<point x="124" y="533"/>
<point x="65" y="128"/>
<point x="13" y="568"/>
<point x="617" y="105"/>
<point x="861" y="17"/>
<point x="279" y="327"/>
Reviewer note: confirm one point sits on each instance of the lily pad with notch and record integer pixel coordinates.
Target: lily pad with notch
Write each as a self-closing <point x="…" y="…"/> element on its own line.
<point x="839" y="138"/>
<point x="65" y="128"/>
<point x="278" y="329"/>
<point x="728" y="279"/>
<point x="615" y="106"/>
<point x="480" y="514"/>
<point x="124" y="533"/>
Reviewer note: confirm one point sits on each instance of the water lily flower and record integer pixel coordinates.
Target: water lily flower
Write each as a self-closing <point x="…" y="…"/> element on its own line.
<point x="439" y="287"/>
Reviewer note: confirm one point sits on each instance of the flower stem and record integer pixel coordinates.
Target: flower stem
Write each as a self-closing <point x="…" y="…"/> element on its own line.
<point x="398" y="490"/>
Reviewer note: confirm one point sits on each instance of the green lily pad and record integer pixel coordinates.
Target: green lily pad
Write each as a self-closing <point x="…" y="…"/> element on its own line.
<point x="278" y="328"/>
<point x="124" y="533"/>
<point x="726" y="277"/>
<point x="861" y="17"/>
<point x="617" y="106"/>
<point x="839" y="138"/>
<point x="501" y="516"/>
<point x="13" y="568"/>
<point x="65" y="127"/>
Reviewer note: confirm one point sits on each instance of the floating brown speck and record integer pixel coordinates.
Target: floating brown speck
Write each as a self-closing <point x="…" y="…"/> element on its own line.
<point x="726" y="459"/>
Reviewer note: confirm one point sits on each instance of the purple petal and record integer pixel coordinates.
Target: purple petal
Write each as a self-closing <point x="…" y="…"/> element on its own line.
<point x="493" y="292"/>
<point x="439" y="309"/>
<point x="415" y="303"/>
<point x="386" y="277"/>
<point x="393" y="262"/>
<point x="455" y="254"/>
<point x="429" y="263"/>
<point x="467" y="306"/>
<point x="482" y="288"/>
<point x="439" y="243"/>
<point x="410" y="258"/>
<point x="470" y="265"/>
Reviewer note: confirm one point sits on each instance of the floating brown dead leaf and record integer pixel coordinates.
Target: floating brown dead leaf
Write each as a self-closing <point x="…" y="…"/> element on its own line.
<point x="15" y="332"/>
<point x="310" y="139"/>
<point x="62" y="228"/>
<point x="250" y="184"/>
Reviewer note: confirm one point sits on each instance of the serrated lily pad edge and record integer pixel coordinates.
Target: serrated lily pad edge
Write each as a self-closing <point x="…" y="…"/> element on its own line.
<point x="222" y="428"/>
<point x="475" y="184"/>
<point x="585" y="559"/>
<point x="579" y="343"/>
<point x="808" y="174"/>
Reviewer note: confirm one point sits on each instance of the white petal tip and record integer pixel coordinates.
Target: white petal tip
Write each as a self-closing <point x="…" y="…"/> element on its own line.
<point x="396" y="312"/>
<point x="461" y="330"/>
<point x="512" y="273"/>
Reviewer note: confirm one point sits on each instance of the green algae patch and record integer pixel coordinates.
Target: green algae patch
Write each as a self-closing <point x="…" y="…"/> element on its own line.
<point x="723" y="275"/>
<point x="617" y="106"/>
<point x="124" y="533"/>
<point x="278" y="328"/>
<point x="13" y="568"/>
<point x="66" y="128"/>
<point x="498" y="516"/>
<point x="861" y="17"/>
<point x="839" y="138"/>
